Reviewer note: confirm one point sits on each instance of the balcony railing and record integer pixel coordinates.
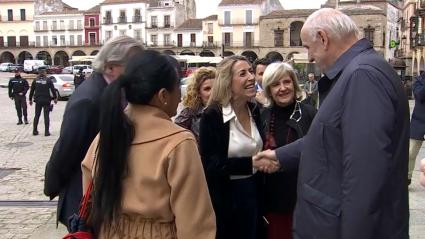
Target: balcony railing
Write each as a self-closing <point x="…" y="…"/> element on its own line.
<point x="421" y="8"/>
<point x="56" y="28"/>
<point x="107" y="21"/>
<point x="420" y="39"/>
<point x="400" y="53"/>
<point x="122" y="19"/>
<point x="50" y="44"/>
<point x="41" y="30"/>
<point x="210" y="45"/>
<point x="137" y="19"/>
<point x="78" y="28"/>
<point x="17" y="44"/>
<point x="92" y="26"/>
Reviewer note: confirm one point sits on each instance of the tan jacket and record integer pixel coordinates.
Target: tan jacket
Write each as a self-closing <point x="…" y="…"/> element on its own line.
<point x="165" y="194"/>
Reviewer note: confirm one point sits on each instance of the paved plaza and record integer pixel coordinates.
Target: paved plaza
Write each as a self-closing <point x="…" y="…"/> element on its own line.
<point x="24" y="210"/>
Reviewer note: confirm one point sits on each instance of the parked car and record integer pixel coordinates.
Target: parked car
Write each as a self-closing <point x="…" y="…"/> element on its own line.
<point x="67" y="70"/>
<point x="54" y="70"/>
<point x="87" y="69"/>
<point x="5" y="66"/>
<point x="64" y="84"/>
<point x="18" y="67"/>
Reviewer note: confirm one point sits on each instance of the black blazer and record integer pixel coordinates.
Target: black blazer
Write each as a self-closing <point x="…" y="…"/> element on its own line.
<point x="80" y="126"/>
<point x="214" y="144"/>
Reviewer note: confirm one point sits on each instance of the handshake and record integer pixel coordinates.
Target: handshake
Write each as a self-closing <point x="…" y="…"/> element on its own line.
<point x="266" y="161"/>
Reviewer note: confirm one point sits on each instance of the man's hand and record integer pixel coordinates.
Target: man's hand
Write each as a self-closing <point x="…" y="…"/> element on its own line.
<point x="266" y="161"/>
<point x="11" y="98"/>
<point x="55" y="100"/>
<point x="260" y="97"/>
<point x="30" y="102"/>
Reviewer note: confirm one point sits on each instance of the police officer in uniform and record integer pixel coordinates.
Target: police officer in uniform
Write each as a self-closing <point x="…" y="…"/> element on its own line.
<point x="18" y="88"/>
<point x="79" y="78"/>
<point x="41" y="89"/>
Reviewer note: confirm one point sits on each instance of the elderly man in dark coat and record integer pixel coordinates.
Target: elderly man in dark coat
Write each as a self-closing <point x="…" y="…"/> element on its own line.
<point x="352" y="180"/>
<point x="417" y="123"/>
<point x="81" y="124"/>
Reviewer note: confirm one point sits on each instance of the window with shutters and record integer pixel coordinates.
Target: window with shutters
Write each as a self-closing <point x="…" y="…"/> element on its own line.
<point x="248" y="17"/>
<point x="226" y="18"/>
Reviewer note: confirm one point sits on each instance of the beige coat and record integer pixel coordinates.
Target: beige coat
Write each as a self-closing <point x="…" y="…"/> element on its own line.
<point x="165" y="194"/>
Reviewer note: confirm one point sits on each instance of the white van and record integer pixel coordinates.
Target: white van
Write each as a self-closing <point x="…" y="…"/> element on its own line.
<point x="87" y="69"/>
<point x="32" y="65"/>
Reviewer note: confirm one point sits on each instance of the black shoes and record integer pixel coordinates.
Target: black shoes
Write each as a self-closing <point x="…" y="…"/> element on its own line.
<point x="47" y="134"/>
<point x="35" y="132"/>
<point x="19" y="122"/>
<point x="25" y="121"/>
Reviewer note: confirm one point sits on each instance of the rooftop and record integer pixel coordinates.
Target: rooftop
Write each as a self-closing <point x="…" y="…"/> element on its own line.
<point x="190" y="24"/>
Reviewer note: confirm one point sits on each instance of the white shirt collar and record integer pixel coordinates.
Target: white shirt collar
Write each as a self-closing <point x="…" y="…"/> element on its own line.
<point x="228" y="113"/>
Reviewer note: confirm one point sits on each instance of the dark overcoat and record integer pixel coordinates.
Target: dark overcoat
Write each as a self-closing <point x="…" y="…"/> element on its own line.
<point x="79" y="127"/>
<point x="417" y="123"/>
<point x="352" y="180"/>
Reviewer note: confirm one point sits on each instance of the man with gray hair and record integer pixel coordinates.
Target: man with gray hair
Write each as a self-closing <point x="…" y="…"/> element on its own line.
<point x="80" y="126"/>
<point x="353" y="161"/>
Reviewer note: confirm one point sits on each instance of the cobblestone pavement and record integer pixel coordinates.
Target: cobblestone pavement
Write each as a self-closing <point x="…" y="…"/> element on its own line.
<point x="19" y="149"/>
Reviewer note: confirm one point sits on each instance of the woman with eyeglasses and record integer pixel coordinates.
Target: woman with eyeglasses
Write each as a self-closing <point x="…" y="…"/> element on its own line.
<point x="287" y="119"/>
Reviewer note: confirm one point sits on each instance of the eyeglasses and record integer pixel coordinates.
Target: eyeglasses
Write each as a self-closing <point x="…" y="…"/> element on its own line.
<point x="296" y="114"/>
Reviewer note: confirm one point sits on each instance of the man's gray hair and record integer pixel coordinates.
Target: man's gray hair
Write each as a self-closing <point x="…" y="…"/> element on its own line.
<point x="116" y="50"/>
<point x="334" y="22"/>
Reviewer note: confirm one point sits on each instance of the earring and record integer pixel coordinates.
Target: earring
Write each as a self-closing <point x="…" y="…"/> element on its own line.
<point x="165" y="103"/>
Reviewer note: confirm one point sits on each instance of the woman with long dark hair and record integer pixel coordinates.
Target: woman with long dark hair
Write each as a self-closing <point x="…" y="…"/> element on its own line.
<point x="146" y="171"/>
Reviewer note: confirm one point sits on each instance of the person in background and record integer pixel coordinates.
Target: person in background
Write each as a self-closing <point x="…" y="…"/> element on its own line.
<point x="311" y="90"/>
<point x="230" y="134"/>
<point x="287" y="119"/>
<point x="353" y="160"/>
<point x="417" y="123"/>
<point x="18" y="88"/>
<point x="146" y="171"/>
<point x="79" y="78"/>
<point x="259" y="67"/>
<point x="195" y="100"/>
<point x="81" y="124"/>
<point x="42" y="90"/>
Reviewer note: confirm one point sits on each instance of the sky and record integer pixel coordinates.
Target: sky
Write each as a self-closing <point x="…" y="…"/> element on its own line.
<point x="208" y="7"/>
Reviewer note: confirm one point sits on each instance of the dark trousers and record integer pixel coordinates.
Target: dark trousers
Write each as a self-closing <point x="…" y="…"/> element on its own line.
<point x="244" y="208"/>
<point x="21" y="106"/>
<point x="46" y="110"/>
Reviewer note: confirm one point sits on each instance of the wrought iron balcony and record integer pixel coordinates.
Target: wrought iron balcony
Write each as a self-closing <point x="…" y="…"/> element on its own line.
<point x="420" y="39"/>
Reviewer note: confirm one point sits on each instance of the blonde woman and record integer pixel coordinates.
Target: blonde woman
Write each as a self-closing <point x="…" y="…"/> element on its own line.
<point x="230" y="134"/>
<point x="198" y="93"/>
<point x="286" y="120"/>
